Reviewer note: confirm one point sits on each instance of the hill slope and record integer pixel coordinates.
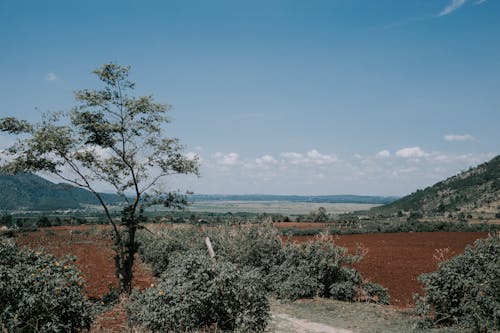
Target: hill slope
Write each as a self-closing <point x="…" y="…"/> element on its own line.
<point x="31" y="192"/>
<point x="474" y="190"/>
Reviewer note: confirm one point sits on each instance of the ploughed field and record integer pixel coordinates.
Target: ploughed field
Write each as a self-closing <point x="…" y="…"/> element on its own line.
<point x="392" y="260"/>
<point x="92" y="248"/>
<point x="395" y="260"/>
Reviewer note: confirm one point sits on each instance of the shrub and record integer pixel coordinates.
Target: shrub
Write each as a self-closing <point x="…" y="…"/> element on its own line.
<point x="465" y="290"/>
<point x="375" y="293"/>
<point x="39" y="293"/>
<point x="252" y="246"/>
<point x="196" y="292"/>
<point x="343" y="291"/>
<point x="157" y="249"/>
<point x="319" y="269"/>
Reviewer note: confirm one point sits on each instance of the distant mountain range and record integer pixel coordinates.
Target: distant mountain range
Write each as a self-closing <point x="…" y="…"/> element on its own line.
<point x="342" y="198"/>
<point x="474" y="190"/>
<point x="31" y="192"/>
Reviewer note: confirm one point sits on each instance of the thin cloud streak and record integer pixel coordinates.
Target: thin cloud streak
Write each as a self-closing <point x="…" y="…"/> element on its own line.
<point x="454" y="5"/>
<point x="459" y="137"/>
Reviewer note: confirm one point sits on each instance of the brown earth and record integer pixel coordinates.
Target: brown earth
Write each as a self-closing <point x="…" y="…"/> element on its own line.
<point x="95" y="259"/>
<point x="393" y="260"/>
<point x="396" y="260"/>
<point x="301" y="225"/>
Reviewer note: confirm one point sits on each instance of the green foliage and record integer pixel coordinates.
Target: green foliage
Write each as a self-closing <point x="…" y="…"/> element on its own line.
<point x="393" y="226"/>
<point x="476" y="187"/>
<point x="255" y="246"/>
<point x="110" y="137"/>
<point x="376" y="293"/>
<point x="289" y="271"/>
<point x="320" y="269"/>
<point x="31" y="192"/>
<point x="6" y="220"/>
<point x="466" y="289"/>
<point x="39" y="293"/>
<point x="321" y="215"/>
<point x="196" y="292"/>
<point x="157" y="251"/>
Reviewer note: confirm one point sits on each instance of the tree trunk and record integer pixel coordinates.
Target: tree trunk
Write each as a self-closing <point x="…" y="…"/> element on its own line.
<point x="125" y="260"/>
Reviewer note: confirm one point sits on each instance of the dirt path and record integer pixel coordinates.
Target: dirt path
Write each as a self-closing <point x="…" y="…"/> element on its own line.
<point x="286" y="323"/>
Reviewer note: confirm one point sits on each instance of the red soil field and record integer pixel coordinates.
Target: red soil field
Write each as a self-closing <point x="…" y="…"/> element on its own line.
<point x="301" y="225"/>
<point x="396" y="260"/>
<point x="393" y="260"/>
<point x="94" y="258"/>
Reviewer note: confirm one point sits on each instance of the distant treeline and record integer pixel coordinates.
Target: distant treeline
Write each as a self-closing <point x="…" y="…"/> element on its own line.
<point x="341" y="198"/>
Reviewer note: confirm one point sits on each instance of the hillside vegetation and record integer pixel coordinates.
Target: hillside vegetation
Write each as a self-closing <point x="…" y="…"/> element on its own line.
<point x="475" y="190"/>
<point x="31" y="192"/>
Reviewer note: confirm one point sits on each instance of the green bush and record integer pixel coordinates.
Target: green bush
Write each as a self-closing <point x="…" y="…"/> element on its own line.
<point x="157" y="249"/>
<point x="375" y="293"/>
<point x="39" y="293"/>
<point x="257" y="246"/>
<point x="466" y="289"/>
<point x="195" y="293"/>
<point x="319" y="269"/>
<point x="291" y="271"/>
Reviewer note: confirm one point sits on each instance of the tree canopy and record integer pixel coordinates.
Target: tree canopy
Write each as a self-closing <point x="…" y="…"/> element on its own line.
<point x="110" y="137"/>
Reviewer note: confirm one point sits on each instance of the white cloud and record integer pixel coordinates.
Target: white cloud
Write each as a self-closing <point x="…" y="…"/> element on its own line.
<point x="316" y="157"/>
<point x="383" y="154"/>
<point x="229" y="159"/>
<point x="51" y="76"/>
<point x="411" y="152"/>
<point x="459" y="137"/>
<point x="294" y="158"/>
<point x="456" y="4"/>
<point x="452" y="6"/>
<point x="266" y="160"/>
<point x="313" y="172"/>
<point x="312" y="157"/>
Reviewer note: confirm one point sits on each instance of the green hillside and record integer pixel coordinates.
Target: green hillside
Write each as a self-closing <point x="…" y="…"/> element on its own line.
<point x="31" y="192"/>
<point x="474" y="190"/>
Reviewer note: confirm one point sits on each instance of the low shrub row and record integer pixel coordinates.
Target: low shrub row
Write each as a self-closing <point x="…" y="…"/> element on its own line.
<point x="232" y="291"/>
<point x="370" y="227"/>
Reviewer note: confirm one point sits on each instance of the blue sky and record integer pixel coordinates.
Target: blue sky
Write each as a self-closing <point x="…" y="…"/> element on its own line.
<point x="284" y="97"/>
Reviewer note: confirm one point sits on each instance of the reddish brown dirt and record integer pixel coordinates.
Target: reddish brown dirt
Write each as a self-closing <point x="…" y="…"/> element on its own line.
<point x="396" y="260"/>
<point x="393" y="260"/>
<point x="301" y="225"/>
<point x="94" y="257"/>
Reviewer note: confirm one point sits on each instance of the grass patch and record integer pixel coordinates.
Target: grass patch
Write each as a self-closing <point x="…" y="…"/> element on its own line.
<point x="357" y="317"/>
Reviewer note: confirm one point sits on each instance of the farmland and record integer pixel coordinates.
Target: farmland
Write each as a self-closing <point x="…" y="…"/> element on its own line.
<point x="392" y="260"/>
<point x="276" y="207"/>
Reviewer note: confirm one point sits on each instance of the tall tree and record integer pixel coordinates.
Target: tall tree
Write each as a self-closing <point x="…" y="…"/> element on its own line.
<point x="109" y="137"/>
